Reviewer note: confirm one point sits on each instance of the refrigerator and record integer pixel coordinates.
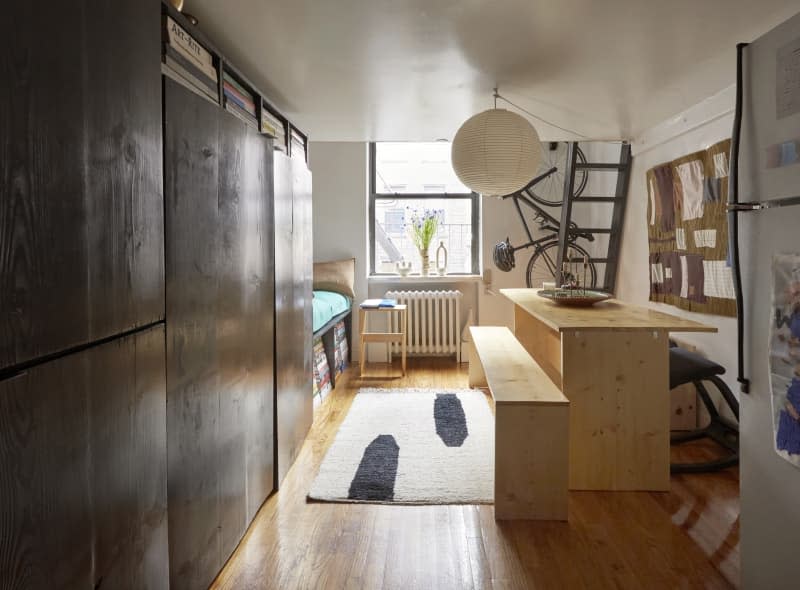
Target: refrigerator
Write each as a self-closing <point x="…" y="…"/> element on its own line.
<point x="767" y="128"/>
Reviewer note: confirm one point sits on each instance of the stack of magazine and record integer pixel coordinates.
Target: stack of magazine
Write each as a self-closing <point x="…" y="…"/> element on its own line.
<point x="298" y="145"/>
<point x="271" y="125"/>
<point x="188" y="61"/>
<point x="321" y="371"/>
<point x="238" y="100"/>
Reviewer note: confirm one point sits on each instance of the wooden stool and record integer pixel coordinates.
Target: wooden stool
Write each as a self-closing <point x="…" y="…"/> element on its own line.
<point x="387" y="336"/>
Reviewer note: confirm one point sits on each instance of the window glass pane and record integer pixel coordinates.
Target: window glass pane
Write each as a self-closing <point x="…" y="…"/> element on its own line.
<point x="393" y="238"/>
<point x="404" y="167"/>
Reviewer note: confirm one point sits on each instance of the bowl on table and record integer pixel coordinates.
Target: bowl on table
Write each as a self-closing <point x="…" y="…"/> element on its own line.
<point x="574" y="297"/>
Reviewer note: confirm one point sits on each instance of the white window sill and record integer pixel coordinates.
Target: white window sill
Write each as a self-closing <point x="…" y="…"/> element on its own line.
<point x="412" y="278"/>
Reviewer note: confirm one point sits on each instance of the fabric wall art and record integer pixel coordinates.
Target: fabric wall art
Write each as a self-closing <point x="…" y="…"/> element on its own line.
<point x="687" y="231"/>
<point x="784" y="356"/>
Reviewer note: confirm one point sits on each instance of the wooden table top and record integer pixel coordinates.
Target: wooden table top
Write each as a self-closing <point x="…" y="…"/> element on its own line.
<point x="607" y="315"/>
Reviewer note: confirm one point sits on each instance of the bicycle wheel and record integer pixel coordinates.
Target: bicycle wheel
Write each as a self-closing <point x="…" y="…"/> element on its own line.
<point x="542" y="266"/>
<point x="550" y="190"/>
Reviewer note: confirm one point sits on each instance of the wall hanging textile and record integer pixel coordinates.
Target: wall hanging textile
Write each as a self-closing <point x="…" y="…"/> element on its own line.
<point x="687" y="230"/>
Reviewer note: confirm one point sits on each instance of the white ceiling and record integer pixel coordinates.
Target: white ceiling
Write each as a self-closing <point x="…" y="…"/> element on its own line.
<point x="355" y="70"/>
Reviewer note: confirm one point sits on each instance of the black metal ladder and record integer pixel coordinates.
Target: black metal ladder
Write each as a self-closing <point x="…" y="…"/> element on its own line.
<point x="567" y="231"/>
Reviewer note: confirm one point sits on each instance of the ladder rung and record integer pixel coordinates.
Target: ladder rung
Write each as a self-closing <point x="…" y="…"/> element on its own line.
<point x="598" y="166"/>
<point x="582" y="199"/>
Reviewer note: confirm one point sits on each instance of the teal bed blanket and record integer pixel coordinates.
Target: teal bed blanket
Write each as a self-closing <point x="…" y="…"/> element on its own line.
<point x="326" y="306"/>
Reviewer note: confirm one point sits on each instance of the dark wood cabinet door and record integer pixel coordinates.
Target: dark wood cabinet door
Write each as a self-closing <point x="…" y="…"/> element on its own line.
<point x="293" y="266"/>
<point x="83" y="475"/>
<point x="81" y="223"/>
<point x="220" y="331"/>
<point x="258" y="275"/>
<point x="191" y="185"/>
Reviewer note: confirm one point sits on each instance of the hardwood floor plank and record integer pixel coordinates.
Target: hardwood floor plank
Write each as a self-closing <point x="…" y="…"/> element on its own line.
<point x="685" y="538"/>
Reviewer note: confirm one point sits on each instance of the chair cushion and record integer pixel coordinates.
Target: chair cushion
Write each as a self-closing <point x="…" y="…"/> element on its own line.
<point x="685" y="367"/>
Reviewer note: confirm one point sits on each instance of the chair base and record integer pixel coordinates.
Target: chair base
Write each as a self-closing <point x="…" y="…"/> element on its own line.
<point x="720" y="429"/>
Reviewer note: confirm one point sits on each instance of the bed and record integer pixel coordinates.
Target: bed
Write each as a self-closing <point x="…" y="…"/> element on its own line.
<point x="331" y="340"/>
<point x="327" y="306"/>
<point x="331" y="322"/>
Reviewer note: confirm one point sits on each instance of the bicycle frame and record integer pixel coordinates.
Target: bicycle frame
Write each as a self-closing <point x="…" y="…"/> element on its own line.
<point x="541" y="214"/>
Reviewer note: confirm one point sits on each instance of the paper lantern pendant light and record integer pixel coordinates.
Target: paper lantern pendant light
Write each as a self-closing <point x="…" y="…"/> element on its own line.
<point x="496" y="152"/>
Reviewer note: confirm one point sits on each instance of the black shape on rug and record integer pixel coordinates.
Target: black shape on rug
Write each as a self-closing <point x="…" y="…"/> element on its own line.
<point x="451" y="422"/>
<point x="375" y="476"/>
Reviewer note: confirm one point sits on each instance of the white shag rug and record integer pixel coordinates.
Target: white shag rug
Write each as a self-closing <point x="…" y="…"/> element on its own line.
<point x="411" y="446"/>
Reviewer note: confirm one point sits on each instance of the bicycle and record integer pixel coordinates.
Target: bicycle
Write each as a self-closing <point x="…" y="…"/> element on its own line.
<point x="542" y="264"/>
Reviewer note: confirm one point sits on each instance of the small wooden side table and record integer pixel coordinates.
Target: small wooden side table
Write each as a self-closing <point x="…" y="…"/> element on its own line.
<point x="388" y="336"/>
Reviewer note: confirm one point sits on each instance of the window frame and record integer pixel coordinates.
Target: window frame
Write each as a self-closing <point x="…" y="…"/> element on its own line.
<point x="475" y="219"/>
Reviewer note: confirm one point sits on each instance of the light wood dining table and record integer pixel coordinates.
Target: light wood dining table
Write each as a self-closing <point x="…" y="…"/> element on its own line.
<point x="611" y="361"/>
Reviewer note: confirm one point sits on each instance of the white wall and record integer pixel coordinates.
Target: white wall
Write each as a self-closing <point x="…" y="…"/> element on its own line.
<point x="500" y="221"/>
<point x="697" y="128"/>
<point x="340" y="210"/>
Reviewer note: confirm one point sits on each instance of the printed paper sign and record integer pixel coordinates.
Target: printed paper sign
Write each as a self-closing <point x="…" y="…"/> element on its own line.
<point x="784" y="356"/>
<point x="787" y="80"/>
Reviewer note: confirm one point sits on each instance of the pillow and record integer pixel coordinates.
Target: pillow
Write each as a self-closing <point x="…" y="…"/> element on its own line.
<point x="337" y="276"/>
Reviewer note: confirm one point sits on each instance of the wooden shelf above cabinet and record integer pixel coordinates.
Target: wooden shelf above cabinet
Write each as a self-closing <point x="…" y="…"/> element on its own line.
<point x="266" y="117"/>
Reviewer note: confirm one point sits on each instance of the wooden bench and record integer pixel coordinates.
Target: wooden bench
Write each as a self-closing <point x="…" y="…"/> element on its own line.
<point x="531" y="444"/>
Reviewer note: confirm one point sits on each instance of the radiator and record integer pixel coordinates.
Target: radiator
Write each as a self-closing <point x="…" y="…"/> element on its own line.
<point x="433" y="322"/>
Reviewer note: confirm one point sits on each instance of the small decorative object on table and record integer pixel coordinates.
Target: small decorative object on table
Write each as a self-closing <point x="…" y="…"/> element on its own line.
<point x="573" y="292"/>
<point x="574" y="297"/>
<point x="403" y="268"/>
<point x="422" y="229"/>
<point x="441" y="265"/>
<point x="425" y="263"/>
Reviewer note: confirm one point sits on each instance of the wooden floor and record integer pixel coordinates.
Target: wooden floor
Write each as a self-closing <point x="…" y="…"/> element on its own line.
<point x="687" y="538"/>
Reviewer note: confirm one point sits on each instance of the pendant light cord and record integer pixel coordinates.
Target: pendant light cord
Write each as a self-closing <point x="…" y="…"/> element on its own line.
<point x="538" y="118"/>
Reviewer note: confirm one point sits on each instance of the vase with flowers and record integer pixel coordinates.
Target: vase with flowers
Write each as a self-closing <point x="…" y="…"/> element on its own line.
<point x="422" y="228"/>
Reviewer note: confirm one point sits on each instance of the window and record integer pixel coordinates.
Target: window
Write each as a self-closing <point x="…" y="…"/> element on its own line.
<point x="408" y="177"/>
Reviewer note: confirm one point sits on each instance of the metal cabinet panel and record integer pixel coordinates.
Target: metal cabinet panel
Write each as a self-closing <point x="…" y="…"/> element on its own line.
<point x="81" y="222"/>
<point x="220" y="330"/>
<point x="83" y="469"/>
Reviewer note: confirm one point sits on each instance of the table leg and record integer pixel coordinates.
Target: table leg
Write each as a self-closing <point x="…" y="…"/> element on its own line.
<point x="617" y="384"/>
<point x="404" y="329"/>
<point x="362" y="324"/>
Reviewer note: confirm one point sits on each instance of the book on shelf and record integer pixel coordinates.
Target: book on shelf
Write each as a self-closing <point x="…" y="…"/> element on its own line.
<point x="378" y="303"/>
<point x="197" y="82"/>
<point x="298" y="144"/>
<point x="245" y="99"/>
<point x="235" y="109"/>
<point x="238" y="86"/>
<point x="209" y="78"/>
<point x="181" y="40"/>
<point x="192" y="86"/>
<point x="267" y="128"/>
<point x="243" y="102"/>
<point x="271" y="125"/>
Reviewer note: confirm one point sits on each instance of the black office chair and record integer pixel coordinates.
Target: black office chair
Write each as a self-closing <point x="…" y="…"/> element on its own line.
<point x="688" y="367"/>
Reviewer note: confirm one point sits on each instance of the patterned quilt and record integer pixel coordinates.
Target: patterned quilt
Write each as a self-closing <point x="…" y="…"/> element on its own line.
<point x="687" y="232"/>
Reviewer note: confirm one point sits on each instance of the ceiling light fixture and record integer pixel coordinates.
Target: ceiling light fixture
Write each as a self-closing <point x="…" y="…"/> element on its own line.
<point x="496" y="152"/>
